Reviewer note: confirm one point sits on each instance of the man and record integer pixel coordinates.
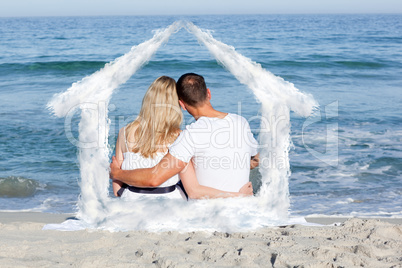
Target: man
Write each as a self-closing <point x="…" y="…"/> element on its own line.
<point x="216" y="149"/>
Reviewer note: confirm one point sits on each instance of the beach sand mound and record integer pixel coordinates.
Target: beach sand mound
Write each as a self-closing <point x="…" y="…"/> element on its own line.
<point x="354" y="243"/>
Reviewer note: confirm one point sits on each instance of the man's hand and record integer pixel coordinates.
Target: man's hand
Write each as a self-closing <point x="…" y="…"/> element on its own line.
<point x="114" y="169"/>
<point x="247" y="189"/>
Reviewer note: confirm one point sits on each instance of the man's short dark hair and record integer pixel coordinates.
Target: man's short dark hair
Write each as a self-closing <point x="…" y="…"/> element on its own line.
<point x="191" y="89"/>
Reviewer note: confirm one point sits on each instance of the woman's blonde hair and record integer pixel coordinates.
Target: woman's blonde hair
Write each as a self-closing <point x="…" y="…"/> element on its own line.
<point x="158" y="123"/>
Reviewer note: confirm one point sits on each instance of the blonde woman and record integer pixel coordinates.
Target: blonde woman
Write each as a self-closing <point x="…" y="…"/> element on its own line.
<point x="146" y="140"/>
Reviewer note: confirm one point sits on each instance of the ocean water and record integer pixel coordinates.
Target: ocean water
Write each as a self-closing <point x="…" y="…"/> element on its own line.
<point x="345" y="160"/>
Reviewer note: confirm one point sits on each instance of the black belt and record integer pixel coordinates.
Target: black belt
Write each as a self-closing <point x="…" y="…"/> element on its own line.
<point x="180" y="184"/>
<point x="153" y="190"/>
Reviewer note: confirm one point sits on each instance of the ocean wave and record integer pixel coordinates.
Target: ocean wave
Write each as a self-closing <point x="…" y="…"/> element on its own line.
<point x="361" y="64"/>
<point x="327" y="63"/>
<point x="19" y="187"/>
<point x="82" y="66"/>
<point x="185" y="64"/>
<point x="63" y="66"/>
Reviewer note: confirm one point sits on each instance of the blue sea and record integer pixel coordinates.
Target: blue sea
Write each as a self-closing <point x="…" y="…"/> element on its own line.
<point x="346" y="161"/>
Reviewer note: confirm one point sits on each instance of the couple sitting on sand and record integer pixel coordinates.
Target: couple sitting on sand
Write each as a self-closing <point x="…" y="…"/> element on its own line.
<point x="211" y="158"/>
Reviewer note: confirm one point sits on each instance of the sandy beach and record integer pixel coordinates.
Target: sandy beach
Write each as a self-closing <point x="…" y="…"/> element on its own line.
<point x="344" y="243"/>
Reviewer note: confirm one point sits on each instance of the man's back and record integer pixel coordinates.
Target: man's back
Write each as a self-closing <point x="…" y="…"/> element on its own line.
<point x="221" y="147"/>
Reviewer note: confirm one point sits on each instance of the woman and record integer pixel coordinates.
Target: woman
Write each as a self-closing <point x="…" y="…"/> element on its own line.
<point x="144" y="142"/>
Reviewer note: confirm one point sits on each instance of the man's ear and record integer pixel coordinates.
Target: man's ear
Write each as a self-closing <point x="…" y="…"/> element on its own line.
<point x="209" y="94"/>
<point x="183" y="106"/>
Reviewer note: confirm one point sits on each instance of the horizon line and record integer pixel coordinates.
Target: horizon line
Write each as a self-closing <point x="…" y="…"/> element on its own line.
<point x="194" y="15"/>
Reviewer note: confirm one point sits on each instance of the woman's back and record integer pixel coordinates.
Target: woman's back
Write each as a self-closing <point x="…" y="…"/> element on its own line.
<point x="133" y="160"/>
<point x="137" y="160"/>
<point x="146" y="140"/>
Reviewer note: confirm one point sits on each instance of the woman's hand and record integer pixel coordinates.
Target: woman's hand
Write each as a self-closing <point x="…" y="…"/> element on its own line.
<point x="247" y="189"/>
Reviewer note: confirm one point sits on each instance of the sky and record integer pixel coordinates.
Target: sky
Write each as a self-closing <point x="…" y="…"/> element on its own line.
<point x="22" y="8"/>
